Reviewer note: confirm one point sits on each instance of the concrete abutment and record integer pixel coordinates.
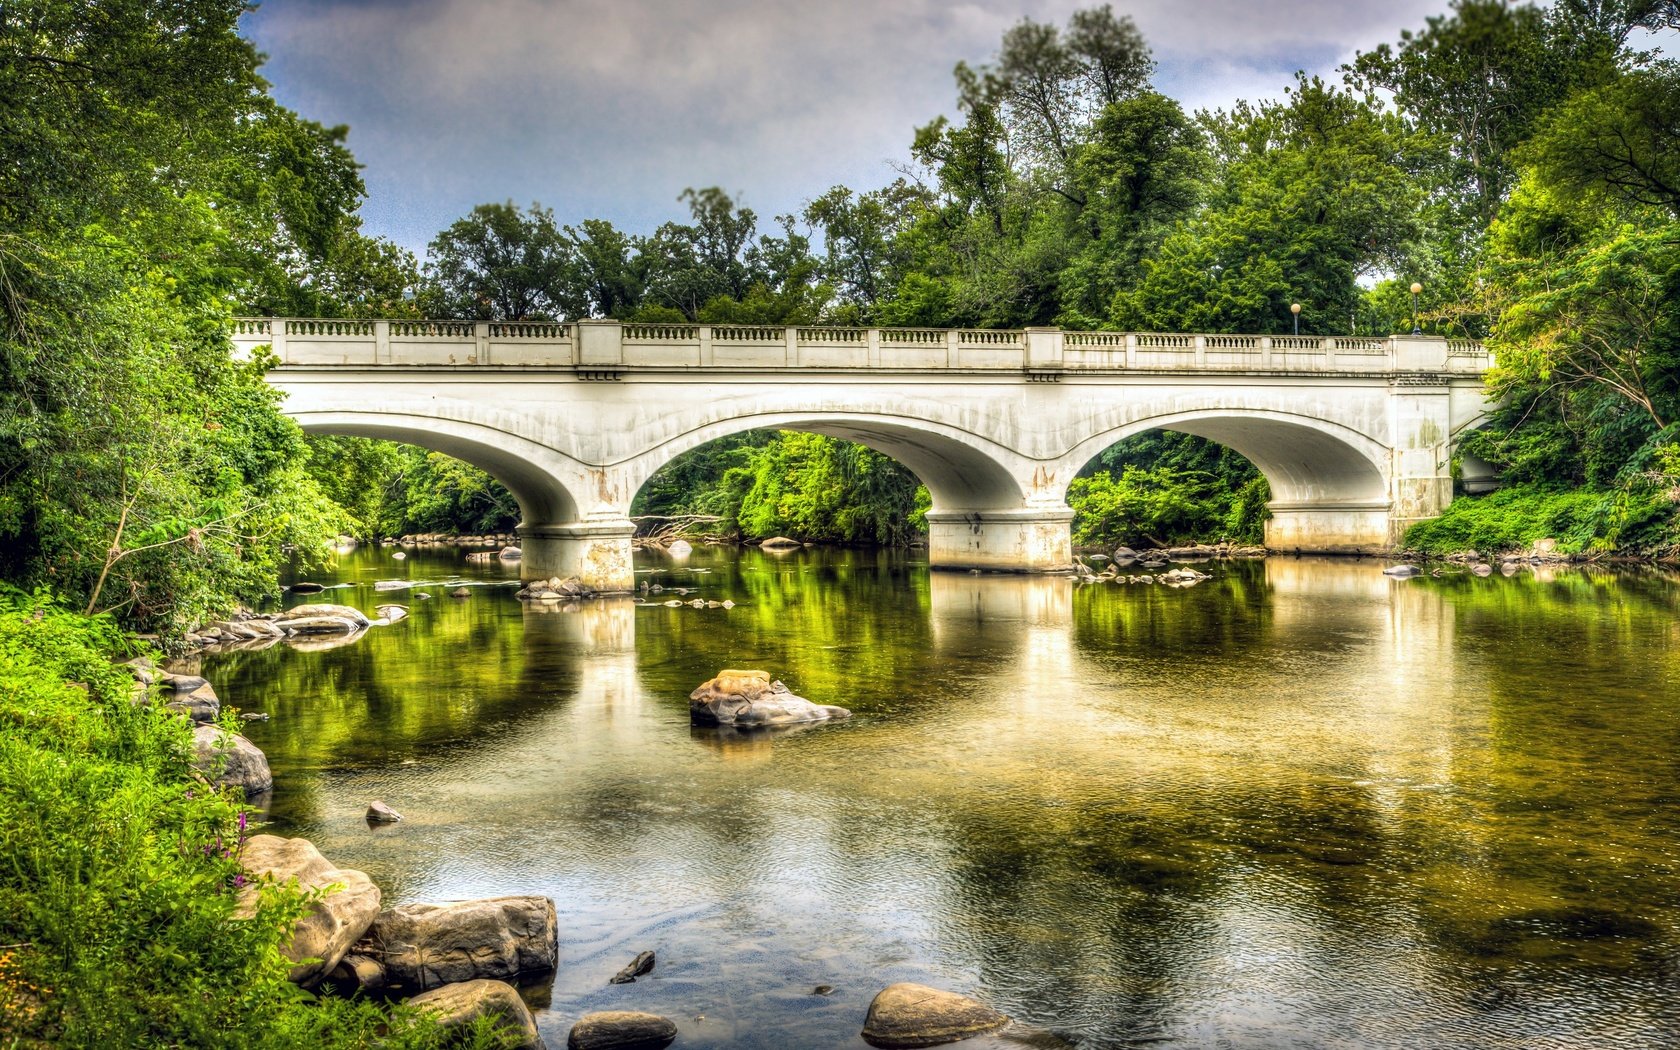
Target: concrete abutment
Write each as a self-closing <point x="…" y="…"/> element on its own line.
<point x="595" y="553"/>
<point x="1001" y="540"/>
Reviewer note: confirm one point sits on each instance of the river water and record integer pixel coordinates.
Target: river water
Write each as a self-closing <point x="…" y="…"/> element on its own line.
<point x="1298" y="805"/>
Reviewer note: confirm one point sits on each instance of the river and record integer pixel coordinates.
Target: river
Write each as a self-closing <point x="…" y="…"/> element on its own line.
<point x="1298" y="805"/>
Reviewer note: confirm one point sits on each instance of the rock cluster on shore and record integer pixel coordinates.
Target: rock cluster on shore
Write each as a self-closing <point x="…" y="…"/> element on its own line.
<point x="444" y="539"/>
<point x="455" y="959"/>
<point x="1110" y="568"/>
<point x="312" y="626"/>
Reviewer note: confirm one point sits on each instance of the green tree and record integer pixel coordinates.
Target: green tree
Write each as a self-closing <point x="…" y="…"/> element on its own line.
<point x="1478" y="79"/>
<point x="501" y="263"/>
<point x="1618" y="142"/>
<point x="1313" y="194"/>
<point x="1141" y="172"/>
<point x="607" y="268"/>
<point x="432" y="492"/>
<point x="140" y="468"/>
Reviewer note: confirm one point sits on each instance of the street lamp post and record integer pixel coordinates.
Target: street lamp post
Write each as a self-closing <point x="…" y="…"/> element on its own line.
<point x="1416" y="328"/>
<point x="1295" y="308"/>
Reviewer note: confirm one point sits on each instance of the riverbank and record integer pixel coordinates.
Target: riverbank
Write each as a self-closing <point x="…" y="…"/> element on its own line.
<point x="1532" y="521"/>
<point x="120" y="871"/>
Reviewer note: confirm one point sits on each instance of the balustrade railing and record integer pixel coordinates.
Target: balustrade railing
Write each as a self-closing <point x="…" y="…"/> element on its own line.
<point x="610" y="347"/>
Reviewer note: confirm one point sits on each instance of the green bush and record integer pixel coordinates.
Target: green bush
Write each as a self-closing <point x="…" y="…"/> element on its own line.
<point x="119" y="871"/>
<point x="1161" y="507"/>
<point x="1514" y="518"/>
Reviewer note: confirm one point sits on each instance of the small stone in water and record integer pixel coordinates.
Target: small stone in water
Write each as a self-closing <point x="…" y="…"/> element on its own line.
<point x="641" y="964"/>
<point x="823" y="989"/>
<point x="380" y="813"/>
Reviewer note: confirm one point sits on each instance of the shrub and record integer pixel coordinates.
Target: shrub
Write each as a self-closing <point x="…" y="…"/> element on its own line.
<point x="119" y="871"/>
<point x="1514" y="518"/>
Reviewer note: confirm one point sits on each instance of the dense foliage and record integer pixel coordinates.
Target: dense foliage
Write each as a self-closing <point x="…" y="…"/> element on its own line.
<point x="1162" y="489"/>
<point x="150" y="184"/>
<point x="119" y="871"/>
<point x="762" y="483"/>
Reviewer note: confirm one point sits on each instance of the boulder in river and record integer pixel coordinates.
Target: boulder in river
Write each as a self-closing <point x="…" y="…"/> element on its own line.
<point x="308" y="588"/>
<point x="510" y="554"/>
<point x="333" y="923"/>
<point x="321" y="619"/>
<point x="780" y="543"/>
<point x="229" y="760"/>
<point x="425" y="945"/>
<point x="621" y="1030"/>
<point x="459" y="1006"/>
<point x="392" y="613"/>
<point x="1402" y="571"/>
<point x="379" y="813"/>
<point x="749" y="699"/>
<point x="912" y="1015"/>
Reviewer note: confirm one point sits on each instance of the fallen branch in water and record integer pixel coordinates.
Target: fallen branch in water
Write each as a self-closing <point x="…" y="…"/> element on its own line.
<point x="661" y="530"/>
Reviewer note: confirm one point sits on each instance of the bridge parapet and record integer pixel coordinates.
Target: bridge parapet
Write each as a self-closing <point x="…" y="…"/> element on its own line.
<point x="1045" y="353"/>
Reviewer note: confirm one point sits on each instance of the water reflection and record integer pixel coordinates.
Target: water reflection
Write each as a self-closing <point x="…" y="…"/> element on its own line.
<point x="1297" y="804"/>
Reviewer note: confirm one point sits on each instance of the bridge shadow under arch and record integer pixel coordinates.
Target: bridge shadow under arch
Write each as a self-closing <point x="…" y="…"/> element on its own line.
<point x="1326" y="479"/>
<point x="526" y="468"/>
<point x="960" y="470"/>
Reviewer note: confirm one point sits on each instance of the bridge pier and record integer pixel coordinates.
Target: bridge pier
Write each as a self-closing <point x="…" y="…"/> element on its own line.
<point x="1355" y="527"/>
<point x="1030" y="540"/>
<point x="596" y="553"/>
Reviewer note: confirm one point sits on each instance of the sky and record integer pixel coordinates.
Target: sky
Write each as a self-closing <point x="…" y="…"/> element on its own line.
<point x="610" y="108"/>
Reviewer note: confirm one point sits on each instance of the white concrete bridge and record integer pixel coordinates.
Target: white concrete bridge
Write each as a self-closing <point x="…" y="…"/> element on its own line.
<point x="1354" y="434"/>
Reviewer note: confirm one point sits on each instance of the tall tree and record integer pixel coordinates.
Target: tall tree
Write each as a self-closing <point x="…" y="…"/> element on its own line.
<point x="1313" y="194"/>
<point x="501" y="263"/>
<point x="140" y="468"/>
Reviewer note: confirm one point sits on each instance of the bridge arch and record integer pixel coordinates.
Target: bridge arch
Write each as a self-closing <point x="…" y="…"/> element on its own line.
<point x="532" y="472"/>
<point x="962" y="471"/>
<point x="1330" y="483"/>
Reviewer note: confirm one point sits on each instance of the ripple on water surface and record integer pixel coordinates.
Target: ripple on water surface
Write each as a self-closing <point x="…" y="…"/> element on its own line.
<point x="1298" y="805"/>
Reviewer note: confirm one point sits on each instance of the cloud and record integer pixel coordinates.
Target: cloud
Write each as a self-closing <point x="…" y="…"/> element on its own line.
<point x="610" y="108"/>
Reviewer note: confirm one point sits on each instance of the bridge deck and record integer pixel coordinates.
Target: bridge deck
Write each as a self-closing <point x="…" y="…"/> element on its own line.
<point x="610" y="346"/>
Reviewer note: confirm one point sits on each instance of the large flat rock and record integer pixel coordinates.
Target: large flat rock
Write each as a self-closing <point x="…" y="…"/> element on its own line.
<point x="914" y="1015"/>
<point x="333" y="923"/>
<point x="425" y="945"/>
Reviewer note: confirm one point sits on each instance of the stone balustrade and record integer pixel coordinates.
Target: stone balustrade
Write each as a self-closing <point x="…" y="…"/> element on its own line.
<point x="606" y="348"/>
